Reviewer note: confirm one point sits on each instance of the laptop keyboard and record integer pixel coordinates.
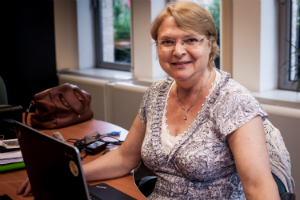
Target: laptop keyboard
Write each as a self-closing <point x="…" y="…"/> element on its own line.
<point x="93" y="197"/>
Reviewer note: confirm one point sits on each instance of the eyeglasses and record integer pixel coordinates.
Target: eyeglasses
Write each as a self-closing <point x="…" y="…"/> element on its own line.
<point x="169" y="45"/>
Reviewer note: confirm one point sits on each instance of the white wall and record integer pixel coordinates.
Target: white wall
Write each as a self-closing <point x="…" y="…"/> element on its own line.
<point x="145" y="62"/>
<point x="85" y="30"/>
<point x="255" y="41"/>
<point x="268" y="46"/>
<point x="74" y="34"/>
<point x="246" y="43"/>
<point x="123" y="102"/>
<point x="66" y="37"/>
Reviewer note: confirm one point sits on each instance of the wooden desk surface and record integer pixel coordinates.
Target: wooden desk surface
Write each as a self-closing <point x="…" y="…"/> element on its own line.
<point x="11" y="180"/>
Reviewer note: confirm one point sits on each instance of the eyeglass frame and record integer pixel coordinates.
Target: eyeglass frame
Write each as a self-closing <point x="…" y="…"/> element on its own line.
<point x="182" y="41"/>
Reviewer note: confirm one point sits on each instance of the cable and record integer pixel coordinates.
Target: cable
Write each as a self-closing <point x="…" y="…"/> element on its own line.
<point x="116" y="142"/>
<point x="80" y="143"/>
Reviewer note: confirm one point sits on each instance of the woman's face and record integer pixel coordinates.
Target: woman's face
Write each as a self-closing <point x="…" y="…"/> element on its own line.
<point x="182" y="64"/>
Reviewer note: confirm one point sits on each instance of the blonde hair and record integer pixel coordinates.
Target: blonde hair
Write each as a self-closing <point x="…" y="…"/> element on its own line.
<point x="192" y="18"/>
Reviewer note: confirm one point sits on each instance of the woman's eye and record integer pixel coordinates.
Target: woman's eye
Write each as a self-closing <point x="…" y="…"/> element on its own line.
<point x="191" y="40"/>
<point x="167" y="42"/>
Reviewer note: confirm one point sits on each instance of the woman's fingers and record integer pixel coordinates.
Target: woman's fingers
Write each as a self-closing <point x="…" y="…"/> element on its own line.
<point x="25" y="188"/>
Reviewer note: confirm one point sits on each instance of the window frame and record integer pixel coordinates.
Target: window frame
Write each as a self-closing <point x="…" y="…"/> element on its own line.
<point x="285" y="12"/>
<point x="97" y="15"/>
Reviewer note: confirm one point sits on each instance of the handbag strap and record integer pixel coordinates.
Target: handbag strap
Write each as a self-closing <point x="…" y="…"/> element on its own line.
<point x="79" y="94"/>
<point x="28" y="110"/>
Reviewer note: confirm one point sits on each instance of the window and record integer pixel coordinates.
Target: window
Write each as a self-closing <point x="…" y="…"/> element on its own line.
<point x="112" y="34"/>
<point x="214" y="7"/>
<point x="112" y="23"/>
<point x="289" y="29"/>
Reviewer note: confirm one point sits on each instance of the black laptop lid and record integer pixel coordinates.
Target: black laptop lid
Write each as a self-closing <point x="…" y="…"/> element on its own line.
<point x="53" y="167"/>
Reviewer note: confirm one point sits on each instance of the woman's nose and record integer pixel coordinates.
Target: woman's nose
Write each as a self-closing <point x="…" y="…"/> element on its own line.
<point x="179" y="49"/>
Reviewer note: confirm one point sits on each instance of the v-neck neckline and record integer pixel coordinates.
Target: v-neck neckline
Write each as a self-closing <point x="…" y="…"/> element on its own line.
<point x="159" y="112"/>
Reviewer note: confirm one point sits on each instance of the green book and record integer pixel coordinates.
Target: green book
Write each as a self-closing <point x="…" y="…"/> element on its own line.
<point x="11" y="166"/>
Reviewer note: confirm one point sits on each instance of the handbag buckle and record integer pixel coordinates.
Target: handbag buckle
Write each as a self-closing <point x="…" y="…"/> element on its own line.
<point x="30" y="105"/>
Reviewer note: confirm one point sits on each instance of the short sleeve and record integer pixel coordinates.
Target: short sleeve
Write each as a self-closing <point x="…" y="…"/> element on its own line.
<point x="149" y="101"/>
<point x="142" y="109"/>
<point x="235" y="107"/>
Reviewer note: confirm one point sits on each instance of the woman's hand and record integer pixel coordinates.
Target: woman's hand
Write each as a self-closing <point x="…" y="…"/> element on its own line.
<point x="25" y="188"/>
<point x="248" y="145"/>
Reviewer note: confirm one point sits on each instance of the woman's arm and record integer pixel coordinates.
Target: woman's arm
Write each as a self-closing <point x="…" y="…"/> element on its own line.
<point x="121" y="161"/>
<point x="248" y="145"/>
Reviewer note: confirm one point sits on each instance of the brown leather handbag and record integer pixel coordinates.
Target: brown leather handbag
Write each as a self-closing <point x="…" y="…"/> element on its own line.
<point x="60" y="106"/>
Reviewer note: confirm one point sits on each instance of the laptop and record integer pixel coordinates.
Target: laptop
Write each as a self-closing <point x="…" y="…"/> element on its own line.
<point x="55" y="171"/>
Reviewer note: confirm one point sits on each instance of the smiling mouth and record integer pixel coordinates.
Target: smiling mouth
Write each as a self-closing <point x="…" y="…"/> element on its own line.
<point x="181" y="63"/>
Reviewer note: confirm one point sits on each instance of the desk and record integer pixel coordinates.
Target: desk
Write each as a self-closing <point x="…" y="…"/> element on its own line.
<point x="10" y="181"/>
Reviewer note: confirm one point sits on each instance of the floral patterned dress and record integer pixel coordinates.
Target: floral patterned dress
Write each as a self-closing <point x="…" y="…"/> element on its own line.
<point x="201" y="165"/>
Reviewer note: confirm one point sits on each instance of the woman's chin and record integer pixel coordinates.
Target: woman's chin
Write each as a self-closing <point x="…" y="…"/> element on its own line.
<point x="181" y="77"/>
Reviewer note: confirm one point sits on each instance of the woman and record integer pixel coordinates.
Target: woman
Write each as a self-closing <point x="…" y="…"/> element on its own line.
<point x="202" y="133"/>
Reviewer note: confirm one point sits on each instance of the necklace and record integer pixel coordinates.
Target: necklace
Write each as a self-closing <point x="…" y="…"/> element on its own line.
<point x="186" y="110"/>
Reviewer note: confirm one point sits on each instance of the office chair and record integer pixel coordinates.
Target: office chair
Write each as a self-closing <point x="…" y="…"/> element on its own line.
<point x="284" y="195"/>
<point x="3" y="93"/>
<point x="8" y="114"/>
<point x="144" y="179"/>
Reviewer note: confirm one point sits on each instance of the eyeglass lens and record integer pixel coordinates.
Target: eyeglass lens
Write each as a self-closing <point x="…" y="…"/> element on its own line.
<point x="168" y="45"/>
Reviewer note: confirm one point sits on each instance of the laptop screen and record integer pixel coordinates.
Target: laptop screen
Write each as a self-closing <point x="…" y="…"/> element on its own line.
<point x="54" y="168"/>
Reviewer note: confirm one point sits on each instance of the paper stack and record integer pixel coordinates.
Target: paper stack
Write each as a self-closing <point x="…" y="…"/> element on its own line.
<point x="10" y="157"/>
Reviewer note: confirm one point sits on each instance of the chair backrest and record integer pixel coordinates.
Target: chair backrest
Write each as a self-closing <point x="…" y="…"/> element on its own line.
<point x="3" y="93"/>
<point x="144" y="179"/>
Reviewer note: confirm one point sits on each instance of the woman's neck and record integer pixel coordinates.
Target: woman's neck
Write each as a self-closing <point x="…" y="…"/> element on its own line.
<point x="190" y="88"/>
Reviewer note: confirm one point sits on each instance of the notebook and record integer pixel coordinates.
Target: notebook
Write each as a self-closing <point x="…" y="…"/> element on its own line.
<point x="55" y="171"/>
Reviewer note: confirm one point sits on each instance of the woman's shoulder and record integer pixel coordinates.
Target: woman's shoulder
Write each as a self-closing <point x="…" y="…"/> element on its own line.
<point x="157" y="88"/>
<point x="162" y="84"/>
<point x="234" y="105"/>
